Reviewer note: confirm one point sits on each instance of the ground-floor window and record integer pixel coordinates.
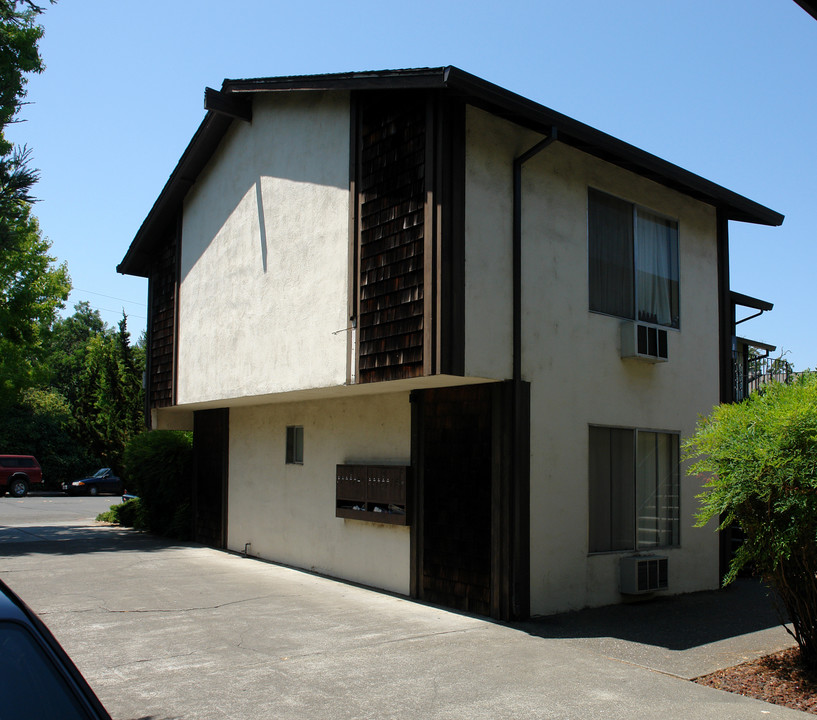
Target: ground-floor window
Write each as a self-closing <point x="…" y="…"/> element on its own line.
<point x="295" y="445"/>
<point x="634" y="489"/>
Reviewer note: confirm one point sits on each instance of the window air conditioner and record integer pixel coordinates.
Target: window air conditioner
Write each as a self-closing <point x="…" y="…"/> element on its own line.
<point x="643" y="574"/>
<point x="643" y="342"/>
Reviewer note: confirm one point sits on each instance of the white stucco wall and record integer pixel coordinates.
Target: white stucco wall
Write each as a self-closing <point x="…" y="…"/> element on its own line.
<point x="571" y="356"/>
<point x="263" y="310"/>
<point x="287" y="512"/>
<point x="263" y="295"/>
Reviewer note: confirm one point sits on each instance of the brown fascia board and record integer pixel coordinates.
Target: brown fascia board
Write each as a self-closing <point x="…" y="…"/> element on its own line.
<point x="810" y="6"/>
<point x="756" y="344"/>
<point x="416" y="78"/>
<point x="164" y="212"/>
<point x="594" y="142"/>
<point x="214" y="126"/>
<point x="749" y="301"/>
<point x="471" y="89"/>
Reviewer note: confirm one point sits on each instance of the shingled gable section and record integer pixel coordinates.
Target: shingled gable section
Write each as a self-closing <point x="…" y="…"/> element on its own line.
<point x="392" y="189"/>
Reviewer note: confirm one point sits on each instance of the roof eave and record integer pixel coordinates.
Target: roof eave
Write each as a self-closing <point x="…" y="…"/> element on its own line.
<point x="418" y="78"/>
<point x="606" y="147"/>
<point x="184" y="175"/>
<point x="750" y="302"/>
<point x="474" y="90"/>
<point x="810" y="6"/>
<point x="757" y="344"/>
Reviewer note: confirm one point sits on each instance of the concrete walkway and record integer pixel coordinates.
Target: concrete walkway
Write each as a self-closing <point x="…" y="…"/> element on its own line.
<point x="166" y="630"/>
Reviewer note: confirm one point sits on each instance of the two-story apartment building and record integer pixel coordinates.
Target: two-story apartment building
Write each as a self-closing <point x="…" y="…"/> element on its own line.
<point x="436" y="338"/>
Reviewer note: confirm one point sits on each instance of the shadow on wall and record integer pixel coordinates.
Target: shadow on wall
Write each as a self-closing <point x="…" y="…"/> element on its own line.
<point x="294" y="142"/>
<point x="676" y="623"/>
<point x="262" y="225"/>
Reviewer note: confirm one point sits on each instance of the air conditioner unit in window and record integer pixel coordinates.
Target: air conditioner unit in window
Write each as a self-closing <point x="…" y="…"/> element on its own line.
<point x="643" y="342"/>
<point x="643" y="574"/>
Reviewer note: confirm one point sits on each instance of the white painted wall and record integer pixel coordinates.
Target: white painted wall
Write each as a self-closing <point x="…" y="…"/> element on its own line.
<point x="287" y="512"/>
<point x="263" y="296"/>
<point x="571" y="356"/>
<point x="264" y="292"/>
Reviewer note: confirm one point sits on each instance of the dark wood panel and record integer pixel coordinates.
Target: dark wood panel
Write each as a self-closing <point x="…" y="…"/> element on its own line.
<point x="470" y="529"/>
<point x="211" y="440"/>
<point x="457" y="476"/>
<point x="391" y="188"/>
<point x="162" y="326"/>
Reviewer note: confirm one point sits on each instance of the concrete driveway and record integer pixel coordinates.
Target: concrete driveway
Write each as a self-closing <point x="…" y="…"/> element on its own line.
<point x="164" y="630"/>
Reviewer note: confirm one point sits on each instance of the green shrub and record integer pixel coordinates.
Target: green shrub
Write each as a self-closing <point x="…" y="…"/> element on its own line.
<point x="158" y="468"/>
<point x="761" y="456"/>
<point x="128" y="513"/>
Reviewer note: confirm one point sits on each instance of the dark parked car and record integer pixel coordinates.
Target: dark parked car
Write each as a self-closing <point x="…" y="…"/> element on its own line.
<point x="102" y="481"/>
<point x="38" y="679"/>
<point x="18" y="473"/>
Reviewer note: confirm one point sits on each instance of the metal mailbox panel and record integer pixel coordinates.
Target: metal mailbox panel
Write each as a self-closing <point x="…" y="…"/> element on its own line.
<point x="351" y="482"/>
<point x="387" y="484"/>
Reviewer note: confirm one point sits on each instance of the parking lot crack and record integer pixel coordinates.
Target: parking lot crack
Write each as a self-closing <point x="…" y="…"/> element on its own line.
<point x="194" y="608"/>
<point x="142" y="661"/>
<point x="344" y="648"/>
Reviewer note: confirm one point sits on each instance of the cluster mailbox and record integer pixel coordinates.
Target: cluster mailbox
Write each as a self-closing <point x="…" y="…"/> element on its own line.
<point x="377" y="493"/>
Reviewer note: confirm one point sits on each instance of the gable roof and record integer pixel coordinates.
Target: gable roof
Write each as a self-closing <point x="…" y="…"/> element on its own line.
<point x="471" y="89"/>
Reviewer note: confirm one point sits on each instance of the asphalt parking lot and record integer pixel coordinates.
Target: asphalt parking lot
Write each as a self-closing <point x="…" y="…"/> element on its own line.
<point x="53" y="508"/>
<point x="166" y="630"/>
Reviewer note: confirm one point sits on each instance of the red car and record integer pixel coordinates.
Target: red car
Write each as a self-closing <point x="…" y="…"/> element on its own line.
<point x="18" y="473"/>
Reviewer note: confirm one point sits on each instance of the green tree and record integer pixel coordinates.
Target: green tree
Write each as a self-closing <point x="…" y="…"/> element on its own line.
<point x="31" y="287"/>
<point x="19" y="56"/>
<point x="109" y="409"/>
<point x="66" y="349"/>
<point x="88" y="402"/>
<point x="42" y="424"/>
<point x="761" y="459"/>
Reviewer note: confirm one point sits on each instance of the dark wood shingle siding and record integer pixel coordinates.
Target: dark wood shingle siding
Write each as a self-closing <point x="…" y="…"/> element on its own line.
<point x="391" y="184"/>
<point x="162" y="327"/>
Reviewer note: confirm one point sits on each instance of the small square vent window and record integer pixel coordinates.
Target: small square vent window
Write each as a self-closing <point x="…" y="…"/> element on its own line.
<point x="295" y="445"/>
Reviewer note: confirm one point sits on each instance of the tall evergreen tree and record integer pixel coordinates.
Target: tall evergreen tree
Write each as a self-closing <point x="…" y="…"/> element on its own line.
<point x="66" y="348"/>
<point x="109" y="408"/>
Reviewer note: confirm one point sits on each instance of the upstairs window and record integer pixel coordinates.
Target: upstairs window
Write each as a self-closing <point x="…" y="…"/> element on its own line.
<point x="633" y="261"/>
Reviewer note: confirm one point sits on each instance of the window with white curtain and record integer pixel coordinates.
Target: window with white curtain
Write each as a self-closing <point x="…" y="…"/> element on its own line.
<point x="634" y="489"/>
<point x="633" y="261"/>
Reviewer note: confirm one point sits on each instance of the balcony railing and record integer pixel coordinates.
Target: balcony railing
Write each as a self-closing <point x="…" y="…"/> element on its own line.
<point x="752" y="370"/>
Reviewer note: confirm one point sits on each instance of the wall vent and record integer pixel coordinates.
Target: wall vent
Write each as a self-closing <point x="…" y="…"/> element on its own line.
<point x="643" y="342"/>
<point x="643" y="574"/>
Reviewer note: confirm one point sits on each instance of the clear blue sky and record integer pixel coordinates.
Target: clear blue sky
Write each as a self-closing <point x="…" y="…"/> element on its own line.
<point x="726" y="89"/>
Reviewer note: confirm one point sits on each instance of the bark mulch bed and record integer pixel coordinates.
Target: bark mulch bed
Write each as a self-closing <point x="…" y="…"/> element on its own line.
<point x="778" y="679"/>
